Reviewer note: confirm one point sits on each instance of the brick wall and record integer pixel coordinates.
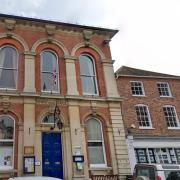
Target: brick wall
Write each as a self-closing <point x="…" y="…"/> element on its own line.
<point x="154" y="103"/>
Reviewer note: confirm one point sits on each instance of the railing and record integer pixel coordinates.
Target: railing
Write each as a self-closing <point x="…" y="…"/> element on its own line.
<point x="104" y="177"/>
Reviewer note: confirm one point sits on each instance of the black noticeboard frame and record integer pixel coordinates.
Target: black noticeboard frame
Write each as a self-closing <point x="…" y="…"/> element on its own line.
<point x="29" y="165"/>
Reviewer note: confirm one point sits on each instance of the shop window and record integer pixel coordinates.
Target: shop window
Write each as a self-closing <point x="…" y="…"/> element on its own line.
<point x="8" y="67"/>
<point x="49" y="72"/>
<point x="141" y="155"/>
<point x="6" y="142"/>
<point x="158" y="155"/>
<point x="88" y="75"/>
<point x="95" y="142"/>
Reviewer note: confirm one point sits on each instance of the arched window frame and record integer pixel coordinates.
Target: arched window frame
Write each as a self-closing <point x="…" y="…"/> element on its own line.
<point x="16" y="80"/>
<point x="9" y="140"/>
<point x="176" y="116"/>
<point x="48" y="123"/>
<point x="57" y="73"/>
<point x="103" y="144"/>
<point x="94" y="75"/>
<point x="148" y="115"/>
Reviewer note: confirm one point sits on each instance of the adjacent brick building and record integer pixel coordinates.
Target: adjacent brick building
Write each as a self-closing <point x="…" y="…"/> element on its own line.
<point x="151" y="112"/>
<point x="53" y="73"/>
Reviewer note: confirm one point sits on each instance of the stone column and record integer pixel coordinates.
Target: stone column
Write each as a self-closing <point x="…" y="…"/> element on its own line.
<point x="111" y="86"/>
<point x="71" y="75"/>
<point x="29" y="84"/>
<point x="76" y="137"/>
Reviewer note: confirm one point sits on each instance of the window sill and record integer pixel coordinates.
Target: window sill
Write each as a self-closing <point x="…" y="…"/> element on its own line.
<point x="90" y="95"/>
<point x="103" y="168"/>
<point x="8" y="90"/>
<point x="6" y="169"/>
<point x="174" y="128"/>
<point x="50" y="92"/>
<point x="146" y="128"/>
<point x="166" y="96"/>
<point x="138" y="95"/>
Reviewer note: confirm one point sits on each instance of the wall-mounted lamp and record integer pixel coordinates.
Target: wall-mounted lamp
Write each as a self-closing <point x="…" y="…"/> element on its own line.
<point x="129" y="129"/>
<point x="57" y="119"/>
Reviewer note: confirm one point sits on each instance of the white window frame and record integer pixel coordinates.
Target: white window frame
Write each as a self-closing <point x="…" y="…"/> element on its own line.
<point x="176" y="116"/>
<point x="142" y="87"/>
<point x="95" y="76"/>
<point x="168" y="87"/>
<point x="16" y="81"/>
<point x="103" y="147"/>
<point x="148" y="115"/>
<point x="13" y="148"/>
<point x="57" y="63"/>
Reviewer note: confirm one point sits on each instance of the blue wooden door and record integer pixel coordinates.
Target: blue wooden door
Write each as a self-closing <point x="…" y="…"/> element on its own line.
<point x="52" y="162"/>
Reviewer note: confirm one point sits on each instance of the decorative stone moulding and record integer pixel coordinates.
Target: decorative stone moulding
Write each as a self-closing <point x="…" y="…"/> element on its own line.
<point x="107" y="40"/>
<point x="5" y="104"/>
<point x="10" y="24"/>
<point x="87" y="35"/>
<point x="50" y="29"/>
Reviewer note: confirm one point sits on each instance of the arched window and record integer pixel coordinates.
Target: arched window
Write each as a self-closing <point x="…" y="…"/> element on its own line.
<point x="49" y="72"/>
<point x="6" y="142"/>
<point x="49" y="119"/>
<point x="88" y="75"/>
<point x="8" y="67"/>
<point x="95" y="142"/>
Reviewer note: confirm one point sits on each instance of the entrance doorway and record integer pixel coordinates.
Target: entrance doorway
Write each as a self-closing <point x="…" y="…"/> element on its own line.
<point x="52" y="161"/>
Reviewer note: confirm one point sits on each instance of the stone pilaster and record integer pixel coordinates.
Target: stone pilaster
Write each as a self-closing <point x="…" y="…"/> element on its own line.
<point x="71" y="75"/>
<point x="119" y="140"/>
<point x="29" y="122"/>
<point x="29" y="84"/>
<point x="111" y="86"/>
<point x="76" y="138"/>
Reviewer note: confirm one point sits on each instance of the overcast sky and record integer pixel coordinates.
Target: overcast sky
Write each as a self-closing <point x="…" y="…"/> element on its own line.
<point x="149" y="36"/>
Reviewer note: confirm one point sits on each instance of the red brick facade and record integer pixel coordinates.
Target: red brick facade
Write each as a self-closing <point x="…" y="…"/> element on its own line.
<point x="153" y="101"/>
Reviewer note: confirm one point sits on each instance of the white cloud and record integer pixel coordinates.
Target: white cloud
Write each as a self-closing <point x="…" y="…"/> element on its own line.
<point x="149" y="35"/>
<point x="21" y="7"/>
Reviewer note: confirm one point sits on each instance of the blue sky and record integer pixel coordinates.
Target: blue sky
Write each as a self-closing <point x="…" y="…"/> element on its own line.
<point x="149" y="36"/>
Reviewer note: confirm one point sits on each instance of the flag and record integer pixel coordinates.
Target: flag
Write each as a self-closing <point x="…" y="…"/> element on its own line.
<point x="54" y="76"/>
